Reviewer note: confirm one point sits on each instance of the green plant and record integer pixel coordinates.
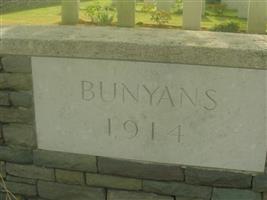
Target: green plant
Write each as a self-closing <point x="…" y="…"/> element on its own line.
<point x="160" y="17"/>
<point x="228" y="26"/>
<point x="178" y="7"/>
<point x="148" y="7"/>
<point x="218" y="8"/>
<point x="100" y="14"/>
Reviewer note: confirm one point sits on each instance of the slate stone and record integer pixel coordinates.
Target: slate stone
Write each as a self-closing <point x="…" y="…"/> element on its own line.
<point x="4" y="100"/>
<point x="57" y="191"/>
<point x="70" y="177"/>
<point x="113" y="182"/>
<point x="15" y="81"/>
<point x="234" y="194"/>
<point x="19" y="135"/>
<point x="16" y="64"/>
<point x="30" y="171"/>
<point x="21" y="98"/>
<point x="20" y="179"/>
<point x="178" y="189"/>
<point x="260" y="183"/>
<point x="21" y="188"/>
<point x="64" y="160"/>
<point x="16" y="115"/>
<point x="3" y="169"/>
<point x="217" y="178"/>
<point x="126" y="195"/>
<point x="139" y="170"/>
<point x="15" y="155"/>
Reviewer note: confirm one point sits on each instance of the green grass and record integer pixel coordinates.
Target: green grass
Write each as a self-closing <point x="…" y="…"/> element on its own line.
<point x="52" y="15"/>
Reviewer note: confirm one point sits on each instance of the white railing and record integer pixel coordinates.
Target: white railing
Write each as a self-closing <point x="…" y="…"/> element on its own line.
<point x="254" y="10"/>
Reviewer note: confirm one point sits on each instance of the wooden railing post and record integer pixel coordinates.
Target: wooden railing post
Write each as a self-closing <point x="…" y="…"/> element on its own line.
<point x="70" y="12"/>
<point x="126" y="13"/>
<point x="192" y="13"/>
<point x="257" y="16"/>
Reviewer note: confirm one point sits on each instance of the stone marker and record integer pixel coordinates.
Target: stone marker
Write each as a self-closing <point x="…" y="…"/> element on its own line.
<point x="70" y="12"/>
<point x="243" y="8"/>
<point x="167" y="113"/>
<point x="165" y="5"/>
<point x="231" y="4"/>
<point x="257" y="16"/>
<point x="192" y="12"/>
<point x="126" y="13"/>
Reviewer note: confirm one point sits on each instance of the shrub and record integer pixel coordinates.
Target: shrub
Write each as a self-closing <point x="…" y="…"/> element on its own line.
<point x="178" y="7"/>
<point x="148" y="7"/>
<point x="160" y="17"/>
<point x="100" y="14"/>
<point x="228" y="26"/>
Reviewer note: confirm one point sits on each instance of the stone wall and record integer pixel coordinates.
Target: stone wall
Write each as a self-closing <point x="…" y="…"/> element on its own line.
<point x="34" y="174"/>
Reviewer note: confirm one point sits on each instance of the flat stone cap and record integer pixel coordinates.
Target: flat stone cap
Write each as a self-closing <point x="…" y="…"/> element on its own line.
<point x="137" y="44"/>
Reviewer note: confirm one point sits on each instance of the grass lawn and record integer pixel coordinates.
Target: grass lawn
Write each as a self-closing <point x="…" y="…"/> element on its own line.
<point x="51" y="15"/>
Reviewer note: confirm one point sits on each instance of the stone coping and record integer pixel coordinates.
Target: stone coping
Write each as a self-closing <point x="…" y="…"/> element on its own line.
<point x="137" y="44"/>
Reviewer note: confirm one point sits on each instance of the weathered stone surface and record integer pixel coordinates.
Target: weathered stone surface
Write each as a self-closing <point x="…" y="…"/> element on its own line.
<point x="187" y="198"/>
<point x="18" y="134"/>
<point x="30" y="171"/>
<point x="143" y="44"/>
<point x="217" y="178"/>
<point x="15" y="81"/>
<point x="3" y="169"/>
<point x="20" y="179"/>
<point x="234" y="194"/>
<point x="177" y="189"/>
<point x="51" y="190"/>
<point x="260" y="183"/>
<point x="71" y="177"/>
<point x="65" y="160"/>
<point x="16" y="63"/>
<point x="151" y="129"/>
<point x="140" y="170"/>
<point x="4" y="101"/>
<point x="20" y="115"/>
<point x="15" y="155"/>
<point x="21" y="98"/>
<point x="125" y="195"/>
<point x="21" y="188"/>
<point x="1" y="135"/>
<point x="113" y="182"/>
